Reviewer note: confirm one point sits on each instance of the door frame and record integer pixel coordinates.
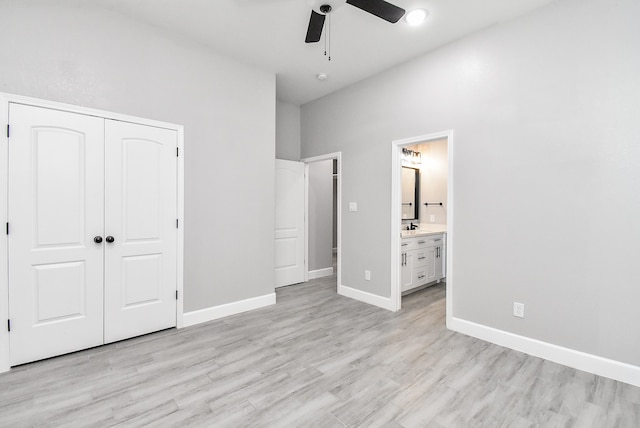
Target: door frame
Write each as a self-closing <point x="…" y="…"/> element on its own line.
<point x="307" y="161"/>
<point x="5" y="100"/>
<point x="396" y="215"/>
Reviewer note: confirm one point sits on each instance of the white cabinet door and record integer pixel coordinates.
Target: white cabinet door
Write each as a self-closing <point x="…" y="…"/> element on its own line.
<point x="439" y="268"/>
<point x="407" y="278"/>
<point x="56" y="191"/>
<point x="140" y="217"/>
<point x="431" y="264"/>
<point x="289" y="219"/>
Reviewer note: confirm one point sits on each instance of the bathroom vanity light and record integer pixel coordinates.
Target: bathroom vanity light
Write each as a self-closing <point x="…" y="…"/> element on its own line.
<point x="411" y="156"/>
<point x="416" y="17"/>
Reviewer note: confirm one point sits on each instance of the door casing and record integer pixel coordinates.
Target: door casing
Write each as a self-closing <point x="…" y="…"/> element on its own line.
<point x="5" y="100"/>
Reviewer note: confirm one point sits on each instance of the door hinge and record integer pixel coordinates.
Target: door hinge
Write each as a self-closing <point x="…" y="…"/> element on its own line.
<point x="8" y="325"/>
<point x="177" y="151"/>
<point x="176" y="223"/>
<point x="176" y="294"/>
<point x="7" y="130"/>
<point x="7" y="228"/>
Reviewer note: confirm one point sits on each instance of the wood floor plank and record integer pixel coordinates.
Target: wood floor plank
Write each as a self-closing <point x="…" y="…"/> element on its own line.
<point x="315" y="359"/>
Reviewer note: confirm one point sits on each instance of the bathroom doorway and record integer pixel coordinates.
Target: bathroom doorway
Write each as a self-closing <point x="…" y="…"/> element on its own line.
<point x="425" y="162"/>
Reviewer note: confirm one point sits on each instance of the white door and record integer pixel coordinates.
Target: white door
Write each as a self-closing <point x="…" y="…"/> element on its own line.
<point x="140" y="229"/>
<point x="56" y="196"/>
<point x="289" y="219"/>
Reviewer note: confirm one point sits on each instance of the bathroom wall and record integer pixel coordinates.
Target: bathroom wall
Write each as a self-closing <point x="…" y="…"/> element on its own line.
<point x="433" y="181"/>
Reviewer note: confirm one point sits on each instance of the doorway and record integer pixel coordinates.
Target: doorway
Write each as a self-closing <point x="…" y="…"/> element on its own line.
<point x="323" y="216"/>
<point x="434" y="201"/>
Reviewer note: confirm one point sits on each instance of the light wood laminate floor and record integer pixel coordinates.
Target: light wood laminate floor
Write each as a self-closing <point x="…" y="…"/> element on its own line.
<point x="314" y="359"/>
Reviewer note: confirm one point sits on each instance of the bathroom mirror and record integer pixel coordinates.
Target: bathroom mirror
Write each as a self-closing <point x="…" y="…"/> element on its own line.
<point x="410" y="192"/>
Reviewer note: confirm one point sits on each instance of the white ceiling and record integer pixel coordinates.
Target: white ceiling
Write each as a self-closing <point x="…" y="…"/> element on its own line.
<point x="269" y="34"/>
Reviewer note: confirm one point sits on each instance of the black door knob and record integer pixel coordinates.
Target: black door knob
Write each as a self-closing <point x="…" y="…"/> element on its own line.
<point x="110" y="239"/>
<point x="97" y="239"/>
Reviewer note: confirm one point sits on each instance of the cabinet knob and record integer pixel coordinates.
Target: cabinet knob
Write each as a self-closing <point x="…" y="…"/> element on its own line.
<point x="110" y="239"/>
<point x="97" y="239"/>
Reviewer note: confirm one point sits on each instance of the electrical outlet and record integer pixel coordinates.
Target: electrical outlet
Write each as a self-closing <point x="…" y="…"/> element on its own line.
<point x="432" y="218"/>
<point x="367" y="275"/>
<point x="518" y="310"/>
<point x="353" y="206"/>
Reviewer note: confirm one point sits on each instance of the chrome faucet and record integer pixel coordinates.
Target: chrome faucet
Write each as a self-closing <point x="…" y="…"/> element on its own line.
<point x="413" y="226"/>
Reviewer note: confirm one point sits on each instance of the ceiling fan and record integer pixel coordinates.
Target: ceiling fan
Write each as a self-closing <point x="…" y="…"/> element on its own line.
<point x="380" y="8"/>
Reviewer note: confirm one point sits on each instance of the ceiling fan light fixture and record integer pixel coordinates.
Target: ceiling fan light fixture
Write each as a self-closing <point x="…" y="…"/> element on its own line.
<point x="416" y="17"/>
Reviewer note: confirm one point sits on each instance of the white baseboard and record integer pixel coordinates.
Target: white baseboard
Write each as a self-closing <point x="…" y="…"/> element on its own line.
<point x="319" y="273"/>
<point x="221" y="311"/>
<point x="612" y="369"/>
<point x="363" y="296"/>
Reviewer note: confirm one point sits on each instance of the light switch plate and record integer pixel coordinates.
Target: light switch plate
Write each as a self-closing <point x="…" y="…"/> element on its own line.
<point x="432" y="218"/>
<point x="353" y="206"/>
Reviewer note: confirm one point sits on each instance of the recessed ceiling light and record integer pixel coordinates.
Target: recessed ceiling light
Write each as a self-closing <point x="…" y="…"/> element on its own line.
<point x="322" y="76"/>
<point x="416" y="16"/>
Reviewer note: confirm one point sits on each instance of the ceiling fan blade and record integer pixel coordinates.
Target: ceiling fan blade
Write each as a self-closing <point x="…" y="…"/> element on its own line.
<point x="379" y="8"/>
<point x="316" y="22"/>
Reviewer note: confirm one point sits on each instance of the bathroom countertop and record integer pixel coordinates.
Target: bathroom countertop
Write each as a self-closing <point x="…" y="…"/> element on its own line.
<point x="428" y="229"/>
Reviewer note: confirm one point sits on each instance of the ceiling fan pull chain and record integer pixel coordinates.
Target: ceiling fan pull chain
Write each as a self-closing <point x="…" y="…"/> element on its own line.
<point x="325" y="39"/>
<point x="329" y="36"/>
<point x="325" y="43"/>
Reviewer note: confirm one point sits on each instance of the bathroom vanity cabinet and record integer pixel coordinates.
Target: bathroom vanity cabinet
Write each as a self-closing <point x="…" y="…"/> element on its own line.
<point x="421" y="260"/>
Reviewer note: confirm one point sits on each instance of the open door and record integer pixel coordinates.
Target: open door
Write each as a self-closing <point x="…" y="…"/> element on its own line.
<point x="289" y="223"/>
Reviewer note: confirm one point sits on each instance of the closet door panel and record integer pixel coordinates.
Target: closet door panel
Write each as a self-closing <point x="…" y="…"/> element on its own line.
<point x="140" y="215"/>
<point x="56" y="194"/>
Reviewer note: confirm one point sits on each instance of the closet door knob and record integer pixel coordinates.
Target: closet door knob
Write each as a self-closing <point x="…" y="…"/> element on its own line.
<point x="97" y="239"/>
<point x="110" y="239"/>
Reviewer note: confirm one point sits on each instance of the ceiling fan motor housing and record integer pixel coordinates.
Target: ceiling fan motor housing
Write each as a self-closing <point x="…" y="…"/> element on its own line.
<point x="333" y="5"/>
<point x="325" y="8"/>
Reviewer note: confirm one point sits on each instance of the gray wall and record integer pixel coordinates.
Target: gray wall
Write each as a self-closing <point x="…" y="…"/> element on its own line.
<point x="320" y="215"/>
<point x="545" y="111"/>
<point x="94" y="58"/>
<point x="287" y="131"/>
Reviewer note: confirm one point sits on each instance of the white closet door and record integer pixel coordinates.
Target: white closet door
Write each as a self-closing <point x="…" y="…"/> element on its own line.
<point x="140" y="216"/>
<point x="289" y="219"/>
<point x="56" y="192"/>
